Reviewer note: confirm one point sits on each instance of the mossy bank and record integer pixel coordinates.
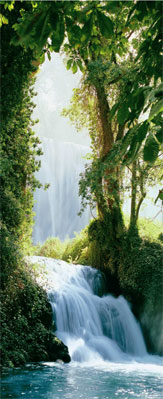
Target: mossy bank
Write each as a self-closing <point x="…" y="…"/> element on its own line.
<point x="26" y="323"/>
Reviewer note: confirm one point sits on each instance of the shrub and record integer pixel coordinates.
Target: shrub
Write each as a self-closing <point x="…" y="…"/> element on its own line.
<point x="52" y="248"/>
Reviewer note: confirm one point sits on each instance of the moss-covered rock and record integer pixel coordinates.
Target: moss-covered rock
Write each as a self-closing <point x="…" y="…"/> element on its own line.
<point x="57" y="350"/>
<point x="140" y="277"/>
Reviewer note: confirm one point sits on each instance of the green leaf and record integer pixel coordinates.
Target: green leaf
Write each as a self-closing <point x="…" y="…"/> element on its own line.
<point x="132" y="152"/>
<point x="105" y="24"/>
<point x="123" y="113"/>
<point x="151" y="150"/>
<point x="142" y="131"/>
<point x="136" y="142"/>
<point x="69" y="63"/>
<point x="49" y="55"/>
<point x="42" y="58"/>
<point x="58" y="36"/>
<point x="74" y="67"/>
<point x="159" y="196"/>
<point x="156" y="109"/>
<point x="80" y="65"/>
<point x="159" y="136"/>
<point x="113" y="110"/>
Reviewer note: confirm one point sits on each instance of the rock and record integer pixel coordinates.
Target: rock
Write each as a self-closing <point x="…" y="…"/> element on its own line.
<point x="57" y="350"/>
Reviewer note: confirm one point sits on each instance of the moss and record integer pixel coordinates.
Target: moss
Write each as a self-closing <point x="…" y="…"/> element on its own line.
<point x="26" y="322"/>
<point x="140" y="277"/>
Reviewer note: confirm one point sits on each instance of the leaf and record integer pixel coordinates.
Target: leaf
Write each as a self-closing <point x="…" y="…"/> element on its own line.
<point x="74" y="67"/>
<point x="58" y="36"/>
<point x="105" y="24"/>
<point x="113" y="110"/>
<point x="156" y="109"/>
<point x="132" y="152"/>
<point x="151" y="150"/>
<point x="49" y="55"/>
<point x="123" y="113"/>
<point x="159" y="136"/>
<point x="142" y="131"/>
<point x="42" y="58"/>
<point x="136" y="142"/>
<point x="159" y="196"/>
<point x="69" y="63"/>
<point x="80" y="65"/>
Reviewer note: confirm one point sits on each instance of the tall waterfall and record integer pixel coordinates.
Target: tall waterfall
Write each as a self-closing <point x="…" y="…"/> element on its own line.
<point x="57" y="208"/>
<point x="94" y="326"/>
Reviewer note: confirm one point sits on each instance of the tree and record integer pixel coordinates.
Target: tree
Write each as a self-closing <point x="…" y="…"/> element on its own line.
<point x="137" y="88"/>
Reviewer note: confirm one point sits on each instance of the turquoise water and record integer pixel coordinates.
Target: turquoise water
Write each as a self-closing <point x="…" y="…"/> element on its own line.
<point x="81" y="381"/>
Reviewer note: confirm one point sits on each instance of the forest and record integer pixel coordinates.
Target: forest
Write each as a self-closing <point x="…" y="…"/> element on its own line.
<point x="116" y="45"/>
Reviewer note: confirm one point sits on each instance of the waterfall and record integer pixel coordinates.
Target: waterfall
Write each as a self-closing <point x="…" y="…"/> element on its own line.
<point x="56" y="209"/>
<point x="93" y="325"/>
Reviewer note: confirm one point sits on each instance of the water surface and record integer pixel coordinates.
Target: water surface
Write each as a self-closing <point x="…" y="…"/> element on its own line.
<point x="81" y="381"/>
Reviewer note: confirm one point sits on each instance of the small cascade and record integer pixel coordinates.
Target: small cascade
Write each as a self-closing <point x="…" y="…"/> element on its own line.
<point x="56" y="209"/>
<point x="93" y="327"/>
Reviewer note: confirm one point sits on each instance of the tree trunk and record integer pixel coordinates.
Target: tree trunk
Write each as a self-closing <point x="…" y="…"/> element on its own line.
<point x="110" y="184"/>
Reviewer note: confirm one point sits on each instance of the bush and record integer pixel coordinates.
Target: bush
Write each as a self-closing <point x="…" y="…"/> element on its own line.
<point x="52" y="248"/>
<point x="26" y="318"/>
<point x="76" y="250"/>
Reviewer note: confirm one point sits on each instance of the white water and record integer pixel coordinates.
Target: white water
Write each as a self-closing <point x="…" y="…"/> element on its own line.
<point x="57" y="208"/>
<point x="95" y="327"/>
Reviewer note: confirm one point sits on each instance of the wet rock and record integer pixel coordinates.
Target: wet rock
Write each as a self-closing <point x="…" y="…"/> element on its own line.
<point x="57" y="350"/>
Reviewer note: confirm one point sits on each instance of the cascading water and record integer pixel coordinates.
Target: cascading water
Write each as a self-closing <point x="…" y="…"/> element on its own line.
<point x="95" y="328"/>
<point x="57" y="208"/>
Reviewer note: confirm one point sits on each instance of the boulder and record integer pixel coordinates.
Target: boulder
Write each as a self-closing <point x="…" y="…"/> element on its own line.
<point x="57" y="350"/>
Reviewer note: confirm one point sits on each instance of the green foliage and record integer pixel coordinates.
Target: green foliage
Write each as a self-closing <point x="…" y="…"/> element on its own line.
<point x="26" y="319"/>
<point x="148" y="229"/>
<point x="140" y="277"/>
<point x="19" y="147"/>
<point x="52" y="248"/>
<point x="76" y="250"/>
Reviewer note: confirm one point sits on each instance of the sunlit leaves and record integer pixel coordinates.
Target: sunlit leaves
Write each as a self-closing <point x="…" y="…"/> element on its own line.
<point x="3" y="20"/>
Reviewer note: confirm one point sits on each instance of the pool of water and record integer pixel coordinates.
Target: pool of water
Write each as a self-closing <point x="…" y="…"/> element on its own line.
<point x="85" y="381"/>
